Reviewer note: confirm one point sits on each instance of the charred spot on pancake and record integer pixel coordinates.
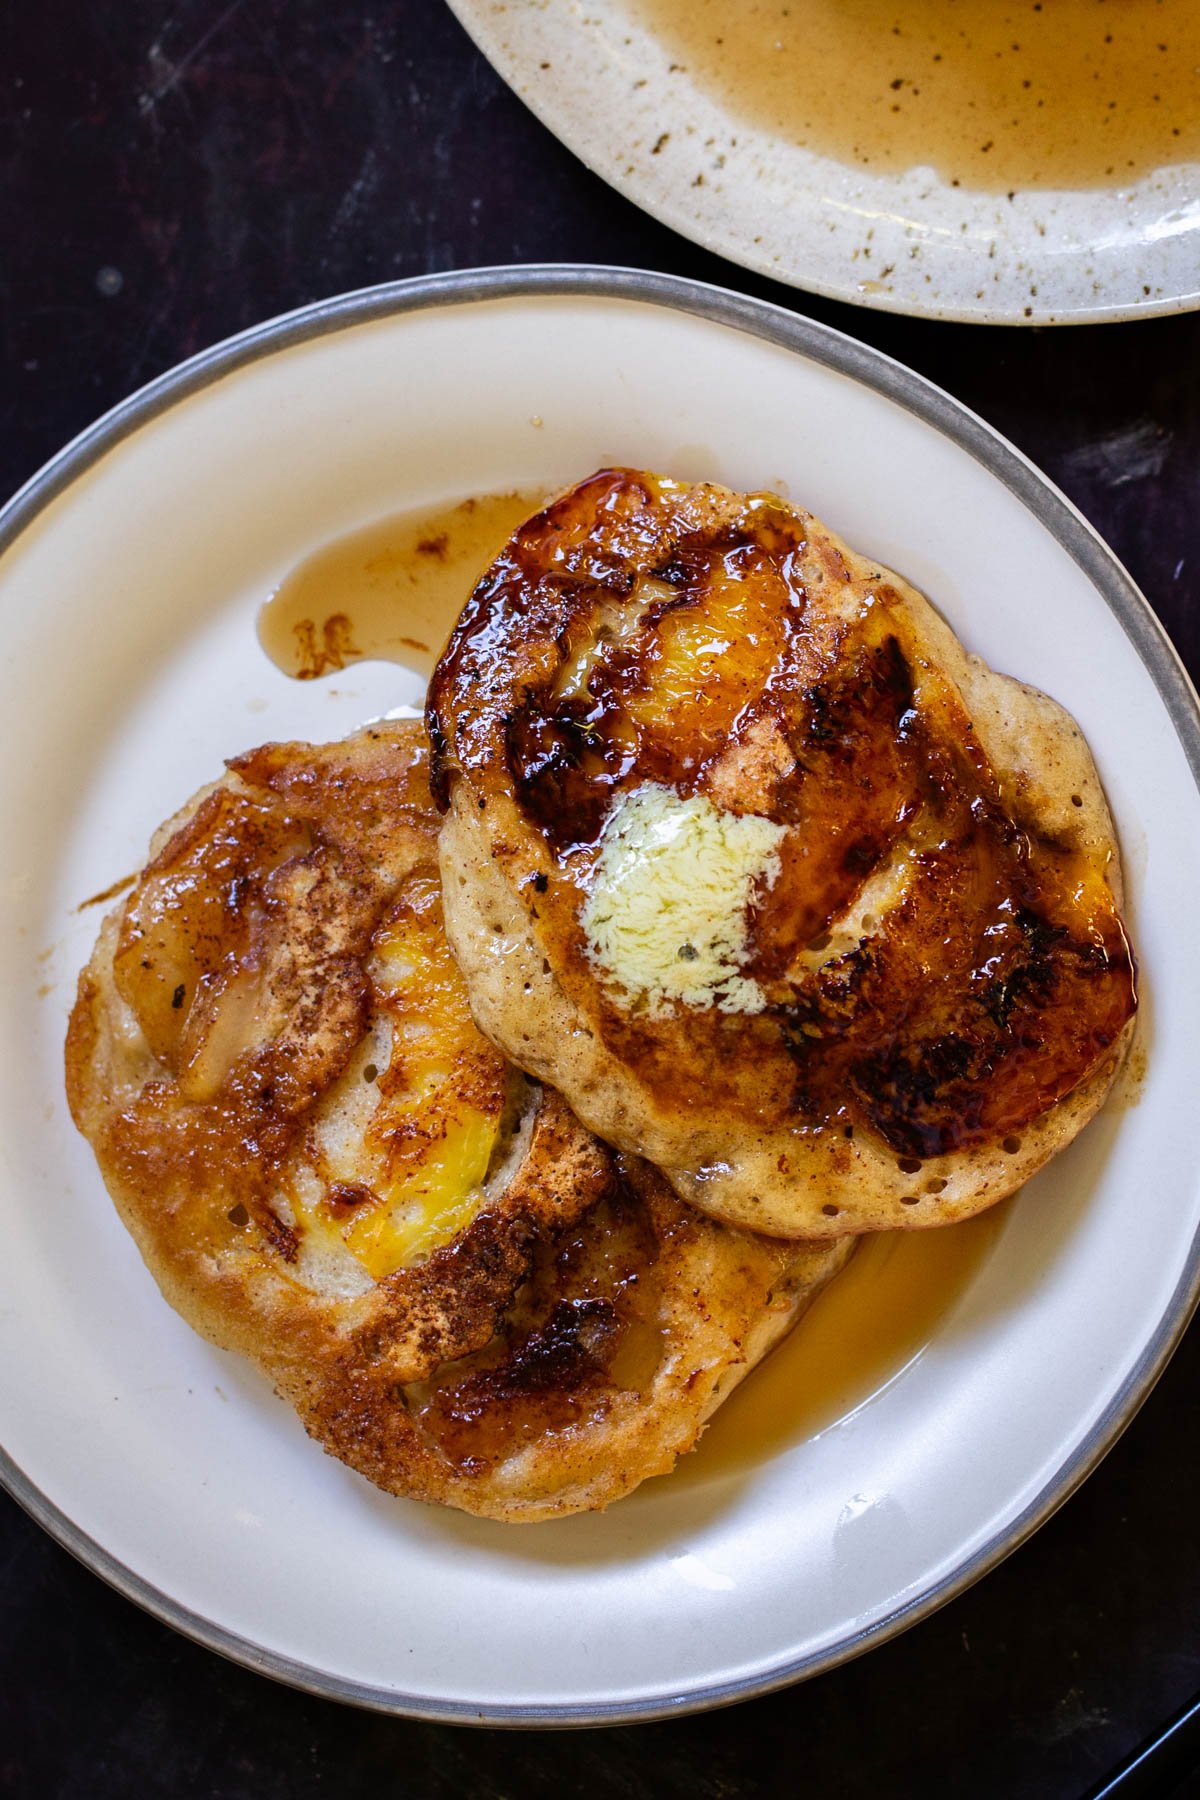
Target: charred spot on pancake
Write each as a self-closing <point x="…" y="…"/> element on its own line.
<point x="568" y="1344"/>
<point x="283" y="1239"/>
<point x="346" y="1195"/>
<point x="565" y="765"/>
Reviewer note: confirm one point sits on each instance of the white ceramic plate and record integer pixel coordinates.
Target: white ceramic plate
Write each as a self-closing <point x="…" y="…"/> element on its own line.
<point x="131" y="573"/>
<point x="908" y="242"/>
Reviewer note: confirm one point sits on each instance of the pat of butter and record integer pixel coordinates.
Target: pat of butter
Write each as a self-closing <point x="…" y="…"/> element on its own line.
<point x="666" y="912"/>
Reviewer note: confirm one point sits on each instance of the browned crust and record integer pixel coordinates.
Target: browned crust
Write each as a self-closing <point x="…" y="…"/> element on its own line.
<point x="531" y="997"/>
<point x="721" y="1300"/>
<point x="352" y="1356"/>
<point x="195" y="1178"/>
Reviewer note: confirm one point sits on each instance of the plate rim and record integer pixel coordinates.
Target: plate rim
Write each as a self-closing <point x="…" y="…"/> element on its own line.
<point x="922" y="398"/>
<point x="475" y="19"/>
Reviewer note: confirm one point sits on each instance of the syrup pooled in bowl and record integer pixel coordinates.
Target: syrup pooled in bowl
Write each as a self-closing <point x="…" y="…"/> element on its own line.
<point x="993" y="94"/>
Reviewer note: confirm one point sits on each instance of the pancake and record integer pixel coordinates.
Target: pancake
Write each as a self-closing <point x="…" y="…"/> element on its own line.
<point x="784" y="890"/>
<point x="326" y="1167"/>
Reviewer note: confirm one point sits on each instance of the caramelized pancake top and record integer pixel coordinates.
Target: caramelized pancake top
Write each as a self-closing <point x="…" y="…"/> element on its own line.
<point x="890" y="875"/>
<point x="273" y="1055"/>
<point x="635" y="1324"/>
<point x="327" y="1167"/>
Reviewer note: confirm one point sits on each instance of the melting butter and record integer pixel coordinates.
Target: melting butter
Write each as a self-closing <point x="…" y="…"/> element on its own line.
<point x="666" y="912"/>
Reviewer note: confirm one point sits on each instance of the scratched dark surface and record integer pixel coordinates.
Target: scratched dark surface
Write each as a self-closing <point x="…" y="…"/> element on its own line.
<point x="172" y="173"/>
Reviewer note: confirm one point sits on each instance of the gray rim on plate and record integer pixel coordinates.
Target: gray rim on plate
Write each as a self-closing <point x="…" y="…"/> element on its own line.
<point x="821" y="344"/>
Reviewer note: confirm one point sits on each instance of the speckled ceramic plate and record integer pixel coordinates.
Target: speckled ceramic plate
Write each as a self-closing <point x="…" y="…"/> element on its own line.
<point x="909" y="242"/>
<point x="131" y="573"/>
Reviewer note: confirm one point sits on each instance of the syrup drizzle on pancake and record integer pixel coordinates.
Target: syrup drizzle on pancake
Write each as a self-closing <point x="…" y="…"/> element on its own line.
<point x="635" y="631"/>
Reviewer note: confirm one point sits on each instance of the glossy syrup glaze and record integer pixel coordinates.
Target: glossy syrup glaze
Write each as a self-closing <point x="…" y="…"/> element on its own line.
<point x="993" y="94"/>
<point x="699" y="640"/>
<point x="587" y="1327"/>
<point x="284" y="956"/>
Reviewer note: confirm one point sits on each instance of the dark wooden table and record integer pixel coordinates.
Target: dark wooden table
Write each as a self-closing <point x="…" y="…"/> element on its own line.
<point x="174" y="172"/>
